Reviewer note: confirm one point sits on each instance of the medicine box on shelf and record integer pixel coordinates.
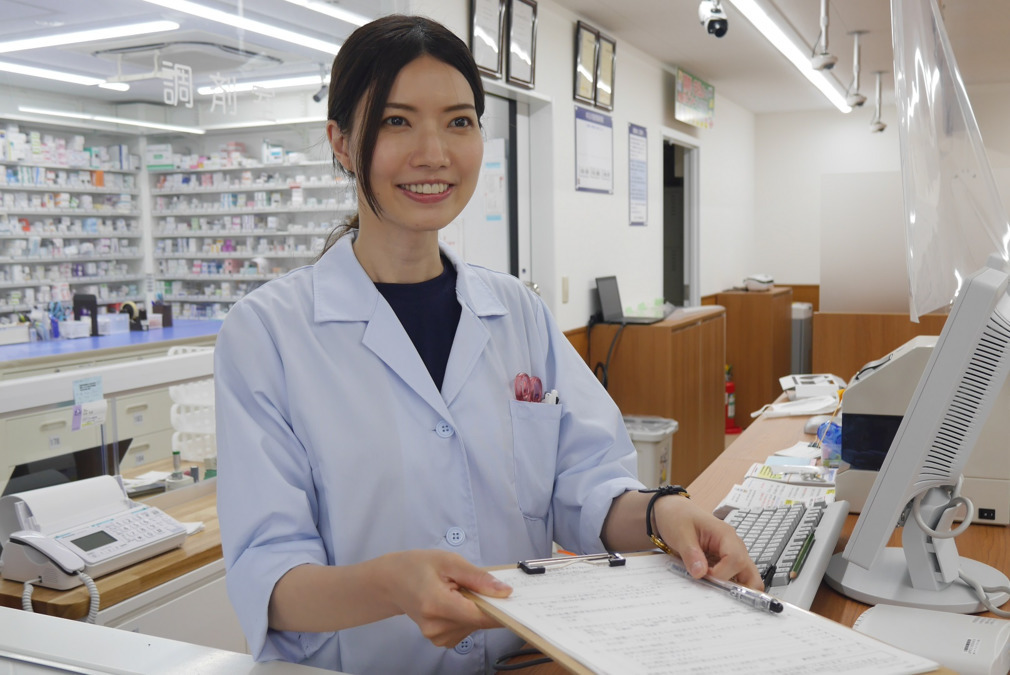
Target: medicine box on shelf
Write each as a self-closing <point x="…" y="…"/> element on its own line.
<point x="13" y="334"/>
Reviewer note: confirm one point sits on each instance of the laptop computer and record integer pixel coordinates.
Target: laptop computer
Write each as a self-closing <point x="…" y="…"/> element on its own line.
<point x="610" y="304"/>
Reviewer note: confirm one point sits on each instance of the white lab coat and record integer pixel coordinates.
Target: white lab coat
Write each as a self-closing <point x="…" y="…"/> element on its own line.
<point x="335" y="447"/>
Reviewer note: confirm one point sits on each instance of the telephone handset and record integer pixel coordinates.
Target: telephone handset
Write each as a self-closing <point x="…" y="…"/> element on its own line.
<point x="65" y="559"/>
<point x="32" y="555"/>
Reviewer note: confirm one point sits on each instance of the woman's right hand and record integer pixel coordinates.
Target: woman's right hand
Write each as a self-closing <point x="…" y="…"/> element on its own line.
<point x="426" y="585"/>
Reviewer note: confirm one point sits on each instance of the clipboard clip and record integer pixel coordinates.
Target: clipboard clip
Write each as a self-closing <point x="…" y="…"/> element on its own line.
<point x="541" y="565"/>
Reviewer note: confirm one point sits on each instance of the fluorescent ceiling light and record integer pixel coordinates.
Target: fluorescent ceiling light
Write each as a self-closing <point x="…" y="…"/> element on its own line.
<point x="88" y="36"/>
<point x="60" y="76"/>
<point x="332" y="10"/>
<point x="110" y="119"/>
<point x="115" y="86"/>
<point x="306" y="81"/>
<point x="265" y="123"/>
<point x="242" y="23"/>
<point x="774" y="33"/>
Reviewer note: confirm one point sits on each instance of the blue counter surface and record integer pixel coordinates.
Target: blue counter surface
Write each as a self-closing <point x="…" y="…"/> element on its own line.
<point x="181" y="329"/>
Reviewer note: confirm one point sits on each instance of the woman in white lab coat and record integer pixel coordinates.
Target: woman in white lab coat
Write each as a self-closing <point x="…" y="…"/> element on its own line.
<point x="373" y="455"/>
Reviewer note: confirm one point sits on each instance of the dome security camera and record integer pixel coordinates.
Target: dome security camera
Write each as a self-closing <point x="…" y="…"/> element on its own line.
<point x="712" y="17"/>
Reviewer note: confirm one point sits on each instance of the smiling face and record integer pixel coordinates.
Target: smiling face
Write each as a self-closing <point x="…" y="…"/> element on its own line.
<point x="427" y="154"/>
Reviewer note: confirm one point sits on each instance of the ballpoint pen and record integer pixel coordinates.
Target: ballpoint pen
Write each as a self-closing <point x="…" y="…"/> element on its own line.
<point x="748" y="596"/>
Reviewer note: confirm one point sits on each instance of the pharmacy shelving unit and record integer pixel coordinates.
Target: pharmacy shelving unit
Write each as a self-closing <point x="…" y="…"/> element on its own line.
<point x="68" y="229"/>
<point x="221" y="231"/>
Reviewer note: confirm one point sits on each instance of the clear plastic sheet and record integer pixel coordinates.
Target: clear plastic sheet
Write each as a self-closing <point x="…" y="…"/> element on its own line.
<point x="954" y="218"/>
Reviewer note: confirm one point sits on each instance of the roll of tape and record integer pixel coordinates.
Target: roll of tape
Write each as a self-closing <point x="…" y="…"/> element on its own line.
<point x="176" y="483"/>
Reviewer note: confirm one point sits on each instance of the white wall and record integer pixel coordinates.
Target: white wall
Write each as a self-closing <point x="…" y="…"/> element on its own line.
<point x="591" y="232"/>
<point x="828" y="204"/>
<point x="728" y="226"/>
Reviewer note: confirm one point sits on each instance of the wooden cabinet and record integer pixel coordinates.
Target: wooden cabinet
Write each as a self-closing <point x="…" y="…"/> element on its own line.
<point x="758" y="345"/>
<point x="672" y="369"/>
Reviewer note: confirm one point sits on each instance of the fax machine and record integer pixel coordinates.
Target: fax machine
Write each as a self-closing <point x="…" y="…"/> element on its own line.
<point x="872" y="408"/>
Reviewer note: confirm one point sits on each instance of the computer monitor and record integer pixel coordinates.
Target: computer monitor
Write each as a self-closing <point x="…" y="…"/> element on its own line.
<point x="938" y="432"/>
<point x="610" y="299"/>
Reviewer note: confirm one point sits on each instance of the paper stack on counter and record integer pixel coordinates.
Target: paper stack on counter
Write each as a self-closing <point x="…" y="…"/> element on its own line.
<point x="760" y="493"/>
<point x="820" y="476"/>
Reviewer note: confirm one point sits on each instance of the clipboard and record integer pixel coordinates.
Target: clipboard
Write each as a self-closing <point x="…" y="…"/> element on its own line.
<point x="540" y="566"/>
<point x="546" y="647"/>
<point x="557" y="643"/>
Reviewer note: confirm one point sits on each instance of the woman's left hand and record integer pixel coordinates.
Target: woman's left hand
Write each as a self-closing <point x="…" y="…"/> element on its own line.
<point x="706" y="544"/>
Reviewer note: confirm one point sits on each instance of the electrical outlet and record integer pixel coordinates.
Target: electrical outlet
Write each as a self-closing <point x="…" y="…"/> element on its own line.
<point x="987" y="514"/>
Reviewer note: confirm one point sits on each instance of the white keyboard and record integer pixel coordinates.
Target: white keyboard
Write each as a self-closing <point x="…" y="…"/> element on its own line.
<point x="776" y="539"/>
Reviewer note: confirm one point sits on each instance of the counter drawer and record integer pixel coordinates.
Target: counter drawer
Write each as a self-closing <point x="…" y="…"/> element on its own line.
<point x="42" y="435"/>
<point x="139" y="414"/>
<point x="147" y="449"/>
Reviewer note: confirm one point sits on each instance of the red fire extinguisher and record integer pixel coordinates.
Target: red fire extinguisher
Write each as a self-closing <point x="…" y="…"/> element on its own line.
<point x="731" y="426"/>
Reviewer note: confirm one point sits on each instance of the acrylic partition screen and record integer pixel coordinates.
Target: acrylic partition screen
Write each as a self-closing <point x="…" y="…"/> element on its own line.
<point x="954" y="218"/>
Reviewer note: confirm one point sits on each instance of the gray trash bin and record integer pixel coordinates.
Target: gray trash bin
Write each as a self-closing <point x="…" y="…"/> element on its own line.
<point x="653" y="439"/>
<point x="803" y="337"/>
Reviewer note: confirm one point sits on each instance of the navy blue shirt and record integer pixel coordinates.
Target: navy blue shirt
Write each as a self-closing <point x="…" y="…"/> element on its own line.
<point x="429" y="312"/>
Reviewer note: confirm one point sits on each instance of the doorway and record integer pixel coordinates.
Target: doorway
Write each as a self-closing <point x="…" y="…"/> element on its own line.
<point x="494" y="229"/>
<point x="681" y="222"/>
<point x="674" y="258"/>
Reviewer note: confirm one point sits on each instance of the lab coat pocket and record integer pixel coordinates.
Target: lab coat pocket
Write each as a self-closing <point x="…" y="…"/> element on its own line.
<point x="535" y="429"/>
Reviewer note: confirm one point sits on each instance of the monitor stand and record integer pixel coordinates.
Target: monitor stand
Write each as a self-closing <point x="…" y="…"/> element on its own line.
<point x="889" y="582"/>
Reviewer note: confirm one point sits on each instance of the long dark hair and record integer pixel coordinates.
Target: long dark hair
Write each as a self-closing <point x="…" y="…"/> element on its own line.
<point x="364" y="71"/>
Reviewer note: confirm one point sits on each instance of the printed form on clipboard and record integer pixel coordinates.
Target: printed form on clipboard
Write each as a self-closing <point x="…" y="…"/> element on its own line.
<point x="643" y="618"/>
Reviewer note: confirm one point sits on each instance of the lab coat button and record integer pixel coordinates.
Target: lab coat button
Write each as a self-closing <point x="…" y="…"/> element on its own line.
<point x="465" y="645"/>
<point x="443" y="429"/>
<point x="455" y="536"/>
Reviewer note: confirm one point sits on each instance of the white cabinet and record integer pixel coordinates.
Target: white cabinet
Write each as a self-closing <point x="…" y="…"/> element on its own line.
<point x="67" y="229"/>
<point x="220" y="232"/>
<point x="192" y="608"/>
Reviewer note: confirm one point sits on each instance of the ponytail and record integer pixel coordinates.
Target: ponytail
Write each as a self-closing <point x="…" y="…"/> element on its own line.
<point x="336" y="233"/>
